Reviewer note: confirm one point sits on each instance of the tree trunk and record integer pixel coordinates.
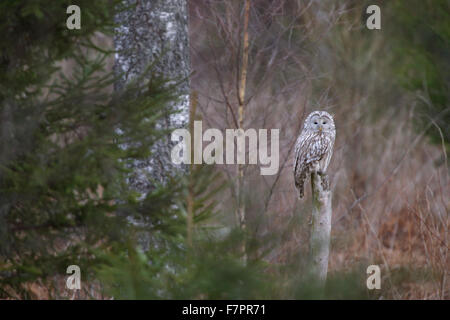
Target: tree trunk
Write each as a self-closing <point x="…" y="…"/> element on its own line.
<point x="155" y="32"/>
<point x="320" y="228"/>
<point x="240" y="213"/>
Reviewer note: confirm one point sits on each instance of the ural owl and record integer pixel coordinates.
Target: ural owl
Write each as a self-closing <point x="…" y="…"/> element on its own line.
<point x="313" y="148"/>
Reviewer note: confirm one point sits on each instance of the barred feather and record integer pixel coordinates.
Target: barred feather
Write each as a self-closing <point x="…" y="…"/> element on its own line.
<point x="312" y="146"/>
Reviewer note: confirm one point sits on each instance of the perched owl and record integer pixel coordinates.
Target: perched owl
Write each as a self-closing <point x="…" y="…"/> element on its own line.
<point x="313" y="148"/>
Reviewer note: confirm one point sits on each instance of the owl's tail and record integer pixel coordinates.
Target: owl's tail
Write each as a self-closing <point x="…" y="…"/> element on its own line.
<point x="301" y="191"/>
<point x="300" y="185"/>
<point x="300" y="181"/>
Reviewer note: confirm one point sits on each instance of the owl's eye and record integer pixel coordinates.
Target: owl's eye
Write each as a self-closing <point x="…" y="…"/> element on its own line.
<point x="324" y="122"/>
<point x="315" y="122"/>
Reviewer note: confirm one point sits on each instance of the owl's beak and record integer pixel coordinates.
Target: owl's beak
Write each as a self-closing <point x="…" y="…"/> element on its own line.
<point x="320" y="129"/>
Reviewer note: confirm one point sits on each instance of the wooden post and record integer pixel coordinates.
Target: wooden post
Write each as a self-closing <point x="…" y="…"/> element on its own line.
<point x="319" y="246"/>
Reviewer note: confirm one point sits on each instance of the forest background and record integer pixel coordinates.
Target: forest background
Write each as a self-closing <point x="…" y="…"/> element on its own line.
<point x="64" y="192"/>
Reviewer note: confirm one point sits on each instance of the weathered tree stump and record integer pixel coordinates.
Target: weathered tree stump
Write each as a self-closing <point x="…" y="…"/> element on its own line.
<point x="319" y="246"/>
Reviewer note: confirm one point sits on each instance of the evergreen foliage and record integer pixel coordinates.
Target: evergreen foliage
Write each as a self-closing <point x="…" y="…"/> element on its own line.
<point x="63" y="167"/>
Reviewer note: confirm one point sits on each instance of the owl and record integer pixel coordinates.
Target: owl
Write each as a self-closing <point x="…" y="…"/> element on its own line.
<point x="313" y="148"/>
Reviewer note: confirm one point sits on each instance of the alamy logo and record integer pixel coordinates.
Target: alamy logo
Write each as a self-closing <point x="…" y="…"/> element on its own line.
<point x="73" y="282"/>
<point x="214" y="151"/>
<point x="74" y="20"/>
<point x="374" y="20"/>
<point x="374" y="280"/>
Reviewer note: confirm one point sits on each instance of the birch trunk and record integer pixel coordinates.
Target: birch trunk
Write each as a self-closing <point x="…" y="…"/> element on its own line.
<point x="240" y="214"/>
<point x="320" y="228"/>
<point x="155" y="32"/>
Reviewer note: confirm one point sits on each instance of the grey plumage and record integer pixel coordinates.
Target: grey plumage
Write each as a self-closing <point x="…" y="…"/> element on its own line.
<point x="314" y="147"/>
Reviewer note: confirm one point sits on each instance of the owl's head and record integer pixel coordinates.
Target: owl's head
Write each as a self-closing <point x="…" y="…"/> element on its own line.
<point x="319" y="121"/>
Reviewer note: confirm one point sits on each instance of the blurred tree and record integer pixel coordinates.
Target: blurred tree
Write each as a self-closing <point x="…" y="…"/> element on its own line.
<point x="155" y="33"/>
<point x="421" y="43"/>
